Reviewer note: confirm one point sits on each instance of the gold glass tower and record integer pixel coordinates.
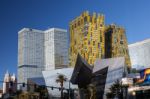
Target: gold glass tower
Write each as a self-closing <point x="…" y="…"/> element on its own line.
<point x="87" y="37"/>
<point x="92" y="39"/>
<point x="116" y="44"/>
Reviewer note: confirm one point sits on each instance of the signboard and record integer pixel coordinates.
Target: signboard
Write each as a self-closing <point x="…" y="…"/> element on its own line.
<point x="127" y="81"/>
<point x="145" y="76"/>
<point x="137" y="88"/>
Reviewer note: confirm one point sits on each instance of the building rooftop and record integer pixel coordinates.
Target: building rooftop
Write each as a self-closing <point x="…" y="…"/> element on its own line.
<point x="139" y="43"/>
<point x="41" y="31"/>
<point x="57" y="29"/>
<point x="29" y="29"/>
<point x="87" y="13"/>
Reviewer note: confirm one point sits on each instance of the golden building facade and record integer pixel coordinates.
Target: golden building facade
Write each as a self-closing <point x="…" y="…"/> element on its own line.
<point x="92" y="39"/>
<point x="87" y="37"/>
<point x="116" y="44"/>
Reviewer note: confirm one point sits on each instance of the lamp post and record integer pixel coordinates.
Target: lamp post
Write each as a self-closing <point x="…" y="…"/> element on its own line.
<point x="76" y="74"/>
<point x="69" y="88"/>
<point x="126" y="82"/>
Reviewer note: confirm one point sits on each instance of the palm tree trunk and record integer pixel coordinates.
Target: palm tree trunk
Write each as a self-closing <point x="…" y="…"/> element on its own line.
<point x="61" y="90"/>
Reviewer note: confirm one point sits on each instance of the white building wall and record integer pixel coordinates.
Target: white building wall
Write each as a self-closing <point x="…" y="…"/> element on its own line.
<point x="140" y="54"/>
<point x="49" y="49"/>
<point x="56" y="48"/>
<point x="61" y="48"/>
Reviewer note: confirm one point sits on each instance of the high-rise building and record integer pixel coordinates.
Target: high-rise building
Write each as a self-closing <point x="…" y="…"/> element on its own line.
<point x="116" y="44"/>
<point x="87" y="37"/>
<point x="140" y="54"/>
<point x="92" y="39"/>
<point x="30" y="54"/>
<point x="41" y="50"/>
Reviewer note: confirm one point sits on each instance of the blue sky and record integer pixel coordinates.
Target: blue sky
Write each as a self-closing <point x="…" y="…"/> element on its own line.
<point x="133" y="15"/>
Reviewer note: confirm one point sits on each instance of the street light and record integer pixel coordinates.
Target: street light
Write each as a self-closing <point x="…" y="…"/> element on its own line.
<point x="69" y="89"/>
<point x="134" y="94"/>
<point x="126" y="82"/>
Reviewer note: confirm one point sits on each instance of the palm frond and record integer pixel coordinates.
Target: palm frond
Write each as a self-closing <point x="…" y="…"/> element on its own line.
<point x="61" y="78"/>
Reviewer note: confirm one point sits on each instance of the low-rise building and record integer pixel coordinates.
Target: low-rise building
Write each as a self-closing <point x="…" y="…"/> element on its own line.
<point x="9" y="84"/>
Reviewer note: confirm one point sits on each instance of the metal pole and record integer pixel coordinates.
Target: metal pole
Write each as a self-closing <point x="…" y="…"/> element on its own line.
<point x="69" y="89"/>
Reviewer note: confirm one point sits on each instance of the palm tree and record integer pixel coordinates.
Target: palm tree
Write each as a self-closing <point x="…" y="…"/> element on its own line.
<point x="61" y="79"/>
<point x="115" y="90"/>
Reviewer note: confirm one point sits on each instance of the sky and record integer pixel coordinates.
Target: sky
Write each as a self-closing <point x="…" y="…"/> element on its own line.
<point x="133" y="15"/>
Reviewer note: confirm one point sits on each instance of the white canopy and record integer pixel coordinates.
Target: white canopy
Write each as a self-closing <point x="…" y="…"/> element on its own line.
<point x="51" y="76"/>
